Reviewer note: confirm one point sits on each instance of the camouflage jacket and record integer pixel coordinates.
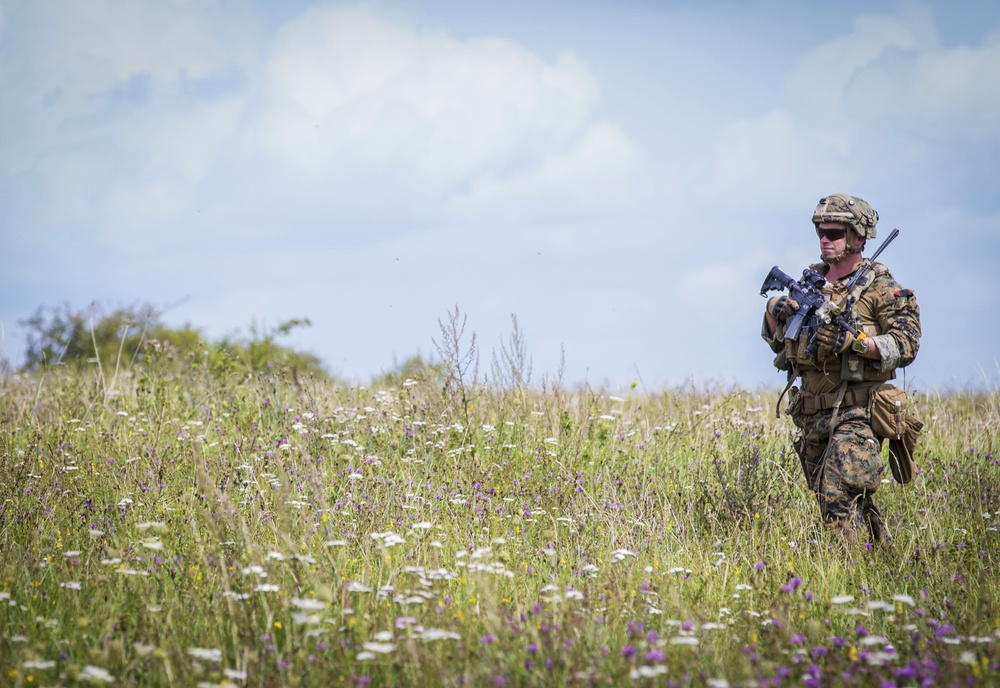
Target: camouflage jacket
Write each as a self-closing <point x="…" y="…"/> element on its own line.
<point x="885" y="312"/>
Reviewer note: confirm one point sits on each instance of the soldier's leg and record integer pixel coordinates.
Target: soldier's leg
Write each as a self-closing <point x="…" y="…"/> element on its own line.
<point x="853" y="471"/>
<point x="811" y="445"/>
<point x="876" y="526"/>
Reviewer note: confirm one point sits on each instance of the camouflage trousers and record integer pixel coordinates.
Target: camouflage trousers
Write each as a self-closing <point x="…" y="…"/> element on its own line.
<point x="844" y="470"/>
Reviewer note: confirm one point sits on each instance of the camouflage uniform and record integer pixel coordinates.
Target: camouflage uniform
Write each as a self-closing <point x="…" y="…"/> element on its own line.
<point x="852" y="471"/>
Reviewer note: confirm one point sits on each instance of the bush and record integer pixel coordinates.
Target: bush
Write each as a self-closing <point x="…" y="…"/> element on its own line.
<point x="116" y="341"/>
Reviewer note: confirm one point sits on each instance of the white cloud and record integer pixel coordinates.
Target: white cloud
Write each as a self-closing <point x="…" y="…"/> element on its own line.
<point x="599" y="169"/>
<point x="346" y="89"/>
<point x="947" y="93"/>
<point x="775" y="157"/>
<point x="103" y="74"/>
<point x="886" y="90"/>
<point x="140" y="116"/>
<point x="819" y="84"/>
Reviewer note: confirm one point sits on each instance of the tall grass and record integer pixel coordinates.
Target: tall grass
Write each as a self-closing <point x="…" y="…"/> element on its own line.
<point x="273" y="531"/>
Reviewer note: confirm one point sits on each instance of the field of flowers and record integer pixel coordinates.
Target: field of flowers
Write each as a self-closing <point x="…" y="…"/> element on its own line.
<point x="184" y="528"/>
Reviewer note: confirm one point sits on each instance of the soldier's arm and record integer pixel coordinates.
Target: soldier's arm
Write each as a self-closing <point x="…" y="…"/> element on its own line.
<point x="899" y="322"/>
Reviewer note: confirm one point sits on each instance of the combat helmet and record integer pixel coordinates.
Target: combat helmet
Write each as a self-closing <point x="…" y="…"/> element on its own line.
<point x="852" y="211"/>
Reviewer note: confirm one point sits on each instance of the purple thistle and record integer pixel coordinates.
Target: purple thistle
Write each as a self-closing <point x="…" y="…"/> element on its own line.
<point x="791" y="585"/>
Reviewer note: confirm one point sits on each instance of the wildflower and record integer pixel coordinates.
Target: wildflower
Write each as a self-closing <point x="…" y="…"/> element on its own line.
<point x="488" y="639"/>
<point x="209" y="655"/>
<point x="791" y="585"/>
<point x="92" y="673"/>
<point x="759" y="566"/>
<point x="879" y="605"/>
<point x="438" y="634"/>
<point x="628" y="651"/>
<point x="156" y="525"/>
<point x="636" y="628"/>
<point x="307" y="603"/>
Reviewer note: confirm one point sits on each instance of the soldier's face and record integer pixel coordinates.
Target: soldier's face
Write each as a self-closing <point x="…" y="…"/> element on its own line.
<point x="832" y="238"/>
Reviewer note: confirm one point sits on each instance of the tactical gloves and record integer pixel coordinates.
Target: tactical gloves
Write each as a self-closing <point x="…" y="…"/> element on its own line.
<point x="832" y="341"/>
<point x="782" y="307"/>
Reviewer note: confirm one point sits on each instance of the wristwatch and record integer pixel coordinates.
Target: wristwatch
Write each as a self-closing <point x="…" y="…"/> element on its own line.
<point x="860" y="344"/>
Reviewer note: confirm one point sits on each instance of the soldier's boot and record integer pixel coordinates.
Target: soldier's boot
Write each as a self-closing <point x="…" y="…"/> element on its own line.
<point x="876" y="526"/>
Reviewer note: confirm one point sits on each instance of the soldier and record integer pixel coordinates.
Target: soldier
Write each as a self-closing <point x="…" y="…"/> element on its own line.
<point x="840" y="455"/>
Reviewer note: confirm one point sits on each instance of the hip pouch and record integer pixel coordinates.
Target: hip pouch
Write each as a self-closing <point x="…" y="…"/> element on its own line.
<point x="890" y="420"/>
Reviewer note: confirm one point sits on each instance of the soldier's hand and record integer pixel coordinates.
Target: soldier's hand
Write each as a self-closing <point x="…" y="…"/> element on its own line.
<point x="782" y="307"/>
<point x="832" y="340"/>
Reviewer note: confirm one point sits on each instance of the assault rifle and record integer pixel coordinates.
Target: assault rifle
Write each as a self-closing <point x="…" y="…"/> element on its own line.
<point x="815" y="308"/>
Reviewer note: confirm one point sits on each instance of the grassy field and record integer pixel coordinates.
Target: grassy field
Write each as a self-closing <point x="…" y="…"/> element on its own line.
<point x="181" y="527"/>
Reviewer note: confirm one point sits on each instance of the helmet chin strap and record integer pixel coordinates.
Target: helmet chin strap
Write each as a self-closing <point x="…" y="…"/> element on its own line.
<point x="832" y="260"/>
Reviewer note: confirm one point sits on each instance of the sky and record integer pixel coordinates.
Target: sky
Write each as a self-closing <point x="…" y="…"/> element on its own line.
<point x="619" y="176"/>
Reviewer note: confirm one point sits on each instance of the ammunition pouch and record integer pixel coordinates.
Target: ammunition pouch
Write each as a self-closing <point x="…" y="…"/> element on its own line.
<point x="890" y="420"/>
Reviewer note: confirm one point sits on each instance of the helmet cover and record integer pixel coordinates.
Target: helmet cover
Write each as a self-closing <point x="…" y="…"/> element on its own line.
<point x="849" y="210"/>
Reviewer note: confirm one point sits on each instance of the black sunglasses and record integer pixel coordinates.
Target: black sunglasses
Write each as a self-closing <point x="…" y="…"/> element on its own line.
<point x="832" y="234"/>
